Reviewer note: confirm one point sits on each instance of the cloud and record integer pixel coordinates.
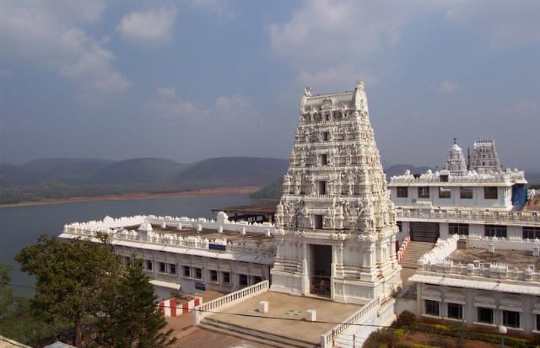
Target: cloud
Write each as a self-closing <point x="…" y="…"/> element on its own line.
<point x="50" y="35"/>
<point x="504" y="23"/>
<point x="150" y="26"/>
<point x="448" y="87"/>
<point x="332" y="42"/>
<point x="328" y="41"/>
<point x="167" y="104"/>
<point x="217" y="7"/>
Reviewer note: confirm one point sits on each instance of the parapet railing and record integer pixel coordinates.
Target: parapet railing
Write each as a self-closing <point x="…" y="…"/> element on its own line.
<point x="264" y="249"/>
<point x="223" y="302"/>
<point x="461" y="214"/>
<point x="504" y="177"/>
<point x="329" y="337"/>
<point x="485" y="270"/>
<point x="403" y="248"/>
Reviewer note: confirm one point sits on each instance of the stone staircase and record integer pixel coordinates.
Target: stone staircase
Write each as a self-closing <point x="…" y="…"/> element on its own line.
<point x="413" y="252"/>
<point x="254" y="335"/>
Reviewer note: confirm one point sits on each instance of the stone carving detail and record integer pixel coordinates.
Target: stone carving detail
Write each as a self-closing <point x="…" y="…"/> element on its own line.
<point x="335" y="193"/>
<point x="352" y="170"/>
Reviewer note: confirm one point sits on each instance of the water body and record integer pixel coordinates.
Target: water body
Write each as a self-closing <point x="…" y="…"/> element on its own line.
<point x="23" y="225"/>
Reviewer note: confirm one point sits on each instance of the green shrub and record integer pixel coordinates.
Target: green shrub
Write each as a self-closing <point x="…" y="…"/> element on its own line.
<point x="406" y="320"/>
<point x="381" y="338"/>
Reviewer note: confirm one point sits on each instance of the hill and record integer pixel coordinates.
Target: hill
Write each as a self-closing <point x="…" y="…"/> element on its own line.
<point x="232" y="171"/>
<point x="42" y="171"/>
<point x="64" y="178"/>
<point x="138" y="171"/>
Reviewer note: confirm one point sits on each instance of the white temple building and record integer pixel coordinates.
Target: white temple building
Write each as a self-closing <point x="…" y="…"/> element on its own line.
<point x="336" y="228"/>
<point x="334" y="252"/>
<point x="482" y="268"/>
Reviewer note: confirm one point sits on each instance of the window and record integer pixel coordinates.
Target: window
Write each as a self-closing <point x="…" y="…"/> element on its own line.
<point x="226" y="277"/>
<point x="324" y="159"/>
<point x="495" y="231"/>
<point x="531" y="232"/>
<point x="243" y="279"/>
<point x="198" y="273"/>
<point x="455" y="311"/>
<point x="538" y="322"/>
<point x="460" y="229"/>
<point x="172" y="268"/>
<point x="490" y="193"/>
<point x="445" y="192"/>
<point x="511" y="319"/>
<point x="162" y="267"/>
<point x="326" y="136"/>
<point x="400" y="226"/>
<point x="318" y="222"/>
<point x="465" y="192"/>
<point x="402" y="192"/>
<point x="256" y="279"/>
<point x="322" y="187"/>
<point x="443" y="177"/>
<point x="485" y="315"/>
<point x="187" y="273"/>
<point x="149" y="265"/>
<point x="213" y="276"/>
<point x="432" y="307"/>
<point x="423" y="192"/>
<point x="128" y="261"/>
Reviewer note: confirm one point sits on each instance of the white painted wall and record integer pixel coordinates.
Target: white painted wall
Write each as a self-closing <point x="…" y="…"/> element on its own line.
<point x="504" y="200"/>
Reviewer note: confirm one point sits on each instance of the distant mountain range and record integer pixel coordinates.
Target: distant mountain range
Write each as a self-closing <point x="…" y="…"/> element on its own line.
<point x="62" y="178"/>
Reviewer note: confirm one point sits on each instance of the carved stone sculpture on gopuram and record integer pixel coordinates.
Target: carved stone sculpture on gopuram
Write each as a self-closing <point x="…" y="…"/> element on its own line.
<point x="336" y="226"/>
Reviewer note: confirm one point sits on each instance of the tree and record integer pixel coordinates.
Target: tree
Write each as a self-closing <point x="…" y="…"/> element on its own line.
<point x="6" y="295"/>
<point x="70" y="279"/>
<point x="130" y="315"/>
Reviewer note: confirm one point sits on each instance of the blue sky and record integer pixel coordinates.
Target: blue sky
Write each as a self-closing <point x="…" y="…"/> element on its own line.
<point x="194" y="79"/>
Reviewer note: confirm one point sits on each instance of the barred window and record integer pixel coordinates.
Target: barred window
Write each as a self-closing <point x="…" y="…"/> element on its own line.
<point x="402" y="192"/>
<point x="460" y="229"/>
<point x="455" y="311"/>
<point x="490" y="193"/>
<point x="445" y="192"/>
<point x="531" y="232"/>
<point x="162" y="267"/>
<point x="466" y="192"/>
<point x="495" y="231"/>
<point x="511" y="319"/>
<point x="485" y="315"/>
<point x="431" y="307"/>
<point x="423" y="192"/>
<point x="213" y="276"/>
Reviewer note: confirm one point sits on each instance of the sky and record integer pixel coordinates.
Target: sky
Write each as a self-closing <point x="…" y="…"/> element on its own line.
<point x="195" y="79"/>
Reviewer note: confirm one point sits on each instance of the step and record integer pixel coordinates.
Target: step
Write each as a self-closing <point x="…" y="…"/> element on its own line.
<point x="266" y="337"/>
<point x="242" y="336"/>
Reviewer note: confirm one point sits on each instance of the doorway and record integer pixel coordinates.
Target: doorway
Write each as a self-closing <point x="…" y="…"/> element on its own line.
<point x="320" y="269"/>
<point x="424" y="231"/>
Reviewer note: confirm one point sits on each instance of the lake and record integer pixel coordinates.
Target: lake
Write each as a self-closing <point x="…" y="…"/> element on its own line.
<point x="23" y="225"/>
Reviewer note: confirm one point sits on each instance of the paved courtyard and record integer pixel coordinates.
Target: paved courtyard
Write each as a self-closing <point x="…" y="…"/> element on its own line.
<point x="290" y="310"/>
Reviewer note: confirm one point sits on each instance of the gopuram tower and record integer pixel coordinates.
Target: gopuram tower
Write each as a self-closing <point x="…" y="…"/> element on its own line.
<point x="335" y="223"/>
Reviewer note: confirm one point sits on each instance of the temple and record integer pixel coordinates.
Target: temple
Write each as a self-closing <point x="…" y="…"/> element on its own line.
<point x="335" y="223"/>
<point x="343" y="248"/>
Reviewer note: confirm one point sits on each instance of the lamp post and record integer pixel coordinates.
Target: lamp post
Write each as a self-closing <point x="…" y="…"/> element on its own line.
<point x="503" y="331"/>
